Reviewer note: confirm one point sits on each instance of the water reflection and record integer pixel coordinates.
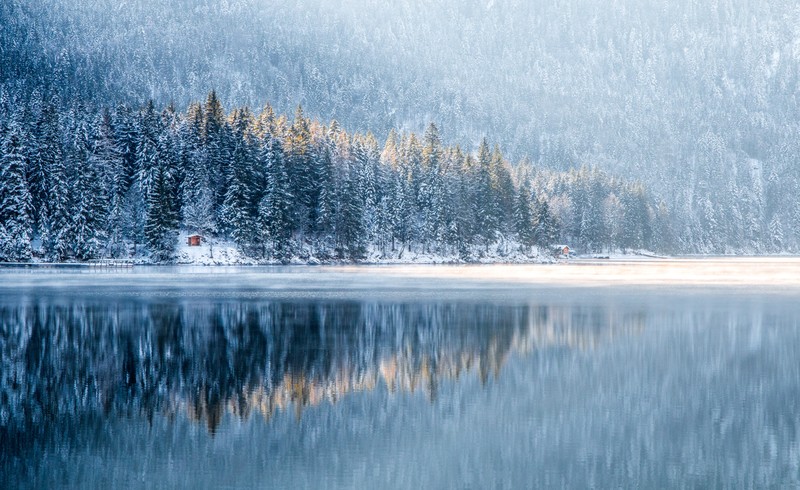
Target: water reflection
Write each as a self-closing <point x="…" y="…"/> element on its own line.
<point x="685" y="389"/>
<point x="67" y="360"/>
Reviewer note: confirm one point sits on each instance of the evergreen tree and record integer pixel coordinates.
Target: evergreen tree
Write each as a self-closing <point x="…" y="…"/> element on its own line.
<point x="303" y="181"/>
<point x="45" y="142"/>
<point x="350" y="230"/>
<point x="274" y="211"/>
<point x="547" y="229"/>
<point x="127" y="137"/>
<point x="15" y="198"/>
<point x="240" y="205"/>
<point x="107" y="160"/>
<point x="89" y="202"/>
<point x="502" y="189"/>
<point x="523" y="215"/>
<point x="160" y="227"/>
<point x="51" y="184"/>
<point x="217" y="141"/>
<point x="486" y="202"/>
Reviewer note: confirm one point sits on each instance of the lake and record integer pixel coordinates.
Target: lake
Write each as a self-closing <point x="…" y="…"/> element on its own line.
<point x="592" y="374"/>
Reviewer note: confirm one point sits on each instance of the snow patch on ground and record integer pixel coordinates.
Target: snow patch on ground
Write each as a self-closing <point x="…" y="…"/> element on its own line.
<point x="218" y="251"/>
<point x="212" y="251"/>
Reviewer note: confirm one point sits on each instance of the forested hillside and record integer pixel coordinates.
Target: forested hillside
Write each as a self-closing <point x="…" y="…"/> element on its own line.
<point x="86" y="184"/>
<point x="695" y="99"/>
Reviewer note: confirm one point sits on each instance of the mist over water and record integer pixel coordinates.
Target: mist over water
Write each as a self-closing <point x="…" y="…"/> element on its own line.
<point x="487" y="384"/>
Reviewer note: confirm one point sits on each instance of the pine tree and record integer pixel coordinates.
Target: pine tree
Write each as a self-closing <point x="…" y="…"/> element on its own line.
<point x="523" y="215"/>
<point x="390" y="155"/>
<point x="614" y="215"/>
<point x="43" y="139"/>
<point x="161" y="224"/>
<point x="53" y="190"/>
<point x="217" y="140"/>
<point x="432" y="149"/>
<point x="108" y="161"/>
<point x="161" y="191"/>
<point x="198" y="210"/>
<point x="147" y="147"/>
<point x="502" y="189"/>
<point x="89" y="203"/>
<point x="240" y="205"/>
<point x="776" y="236"/>
<point x="350" y="230"/>
<point x="15" y="198"/>
<point x="303" y="182"/>
<point x="485" y="203"/>
<point x="547" y="228"/>
<point x="325" y="172"/>
<point x="364" y="168"/>
<point x="126" y="134"/>
<point x="274" y="211"/>
<point x="196" y="191"/>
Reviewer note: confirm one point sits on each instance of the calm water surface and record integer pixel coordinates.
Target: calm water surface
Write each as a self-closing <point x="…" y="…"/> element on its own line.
<point x="618" y="375"/>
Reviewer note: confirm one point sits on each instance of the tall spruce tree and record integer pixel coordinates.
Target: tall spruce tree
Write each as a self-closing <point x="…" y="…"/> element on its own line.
<point x="162" y="214"/>
<point x="523" y="215"/>
<point x="547" y="228"/>
<point x="275" y="209"/>
<point x="240" y="205"/>
<point x="15" y="198"/>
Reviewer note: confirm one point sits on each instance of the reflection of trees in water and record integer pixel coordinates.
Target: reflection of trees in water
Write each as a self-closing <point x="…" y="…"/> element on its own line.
<point x="90" y="359"/>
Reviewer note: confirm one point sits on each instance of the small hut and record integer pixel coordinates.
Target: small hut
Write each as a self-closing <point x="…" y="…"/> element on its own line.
<point x="194" y="240"/>
<point x="562" y="251"/>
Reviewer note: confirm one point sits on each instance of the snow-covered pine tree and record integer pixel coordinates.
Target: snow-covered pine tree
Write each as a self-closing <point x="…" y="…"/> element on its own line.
<point x="56" y="238"/>
<point x="125" y="125"/>
<point x="162" y="215"/>
<point x="274" y="211"/>
<point x="107" y="161"/>
<point x="217" y="142"/>
<point x="37" y="160"/>
<point x="301" y="172"/>
<point x="88" y="202"/>
<point x="15" y="198"/>
<point x="197" y="196"/>
<point x="523" y="215"/>
<point x="776" y="235"/>
<point x="239" y="208"/>
<point x="325" y="173"/>
<point x="350" y="232"/>
<point x="547" y="229"/>
<point x="364" y="173"/>
<point x="486" y="202"/>
<point x="503" y="190"/>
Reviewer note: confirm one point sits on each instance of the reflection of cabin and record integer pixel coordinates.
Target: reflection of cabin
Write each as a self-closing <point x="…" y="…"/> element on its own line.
<point x="194" y="240"/>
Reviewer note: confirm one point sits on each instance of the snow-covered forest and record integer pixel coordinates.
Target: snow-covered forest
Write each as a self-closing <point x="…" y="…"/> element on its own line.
<point x="694" y="101"/>
<point x="85" y="184"/>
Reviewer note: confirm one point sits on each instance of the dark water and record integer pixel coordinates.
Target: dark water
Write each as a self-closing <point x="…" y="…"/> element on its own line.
<point x="501" y="386"/>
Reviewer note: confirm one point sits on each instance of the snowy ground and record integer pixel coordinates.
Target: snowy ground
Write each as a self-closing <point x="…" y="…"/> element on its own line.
<point x="224" y="252"/>
<point x="211" y="252"/>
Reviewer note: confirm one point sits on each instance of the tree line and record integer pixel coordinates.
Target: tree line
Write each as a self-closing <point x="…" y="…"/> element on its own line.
<point x="79" y="183"/>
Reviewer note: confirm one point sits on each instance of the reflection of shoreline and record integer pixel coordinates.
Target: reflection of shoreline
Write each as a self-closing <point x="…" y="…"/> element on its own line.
<point x="408" y="372"/>
<point x="241" y="358"/>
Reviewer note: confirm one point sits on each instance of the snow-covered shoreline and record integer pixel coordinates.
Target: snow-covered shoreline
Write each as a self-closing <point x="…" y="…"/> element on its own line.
<point x="226" y="253"/>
